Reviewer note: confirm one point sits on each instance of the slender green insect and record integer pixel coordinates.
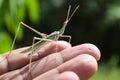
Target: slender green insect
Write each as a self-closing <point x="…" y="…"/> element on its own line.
<point x="45" y="38"/>
<point x="53" y="36"/>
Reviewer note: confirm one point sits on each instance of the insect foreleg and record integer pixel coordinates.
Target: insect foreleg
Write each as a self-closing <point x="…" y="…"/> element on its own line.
<point x="67" y="37"/>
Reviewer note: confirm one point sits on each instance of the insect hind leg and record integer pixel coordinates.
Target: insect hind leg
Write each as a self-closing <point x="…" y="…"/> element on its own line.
<point x="34" y="30"/>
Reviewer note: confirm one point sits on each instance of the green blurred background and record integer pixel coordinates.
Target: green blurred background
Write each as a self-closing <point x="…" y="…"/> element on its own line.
<point x="96" y="22"/>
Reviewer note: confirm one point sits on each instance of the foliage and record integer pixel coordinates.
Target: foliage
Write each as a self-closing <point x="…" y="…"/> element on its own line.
<point x="108" y="71"/>
<point x="105" y="73"/>
<point x="11" y="13"/>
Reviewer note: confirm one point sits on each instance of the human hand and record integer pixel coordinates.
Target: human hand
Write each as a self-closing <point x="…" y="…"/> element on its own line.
<point x="68" y="63"/>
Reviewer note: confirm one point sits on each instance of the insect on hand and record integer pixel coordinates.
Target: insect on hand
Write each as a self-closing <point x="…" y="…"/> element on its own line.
<point x="45" y="38"/>
<point x="53" y="36"/>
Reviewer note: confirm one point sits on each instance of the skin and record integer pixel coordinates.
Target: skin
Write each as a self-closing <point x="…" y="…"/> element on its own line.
<point x="54" y="61"/>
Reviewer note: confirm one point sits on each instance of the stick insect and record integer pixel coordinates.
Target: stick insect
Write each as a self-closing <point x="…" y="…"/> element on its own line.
<point x="53" y="36"/>
<point x="45" y="38"/>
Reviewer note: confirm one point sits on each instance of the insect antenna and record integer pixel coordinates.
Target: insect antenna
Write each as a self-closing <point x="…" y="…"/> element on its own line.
<point x="68" y="13"/>
<point x="68" y="18"/>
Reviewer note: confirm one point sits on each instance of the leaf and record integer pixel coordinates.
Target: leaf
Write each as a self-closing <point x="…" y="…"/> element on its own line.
<point x="113" y="12"/>
<point x="5" y="42"/>
<point x="20" y="10"/>
<point x="12" y="26"/>
<point x="1" y="2"/>
<point x="33" y="10"/>
<point x="13" y="8"/>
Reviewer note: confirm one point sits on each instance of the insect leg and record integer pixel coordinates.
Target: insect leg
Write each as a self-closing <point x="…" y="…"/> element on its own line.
<point x="33" y="49"/>
<point x="67" y="37"/>
<point x="34" y="30"/>
<point x="30" y="55"/>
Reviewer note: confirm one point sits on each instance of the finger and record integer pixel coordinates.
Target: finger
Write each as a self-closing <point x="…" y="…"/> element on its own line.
<point x="67" y="75"/>
<point x="84" y="66"/>
<point x="81" y="49"/>
<point x="52" y="61"/>
<point x="15" y="60"/>
<point x="59" y="58"/>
